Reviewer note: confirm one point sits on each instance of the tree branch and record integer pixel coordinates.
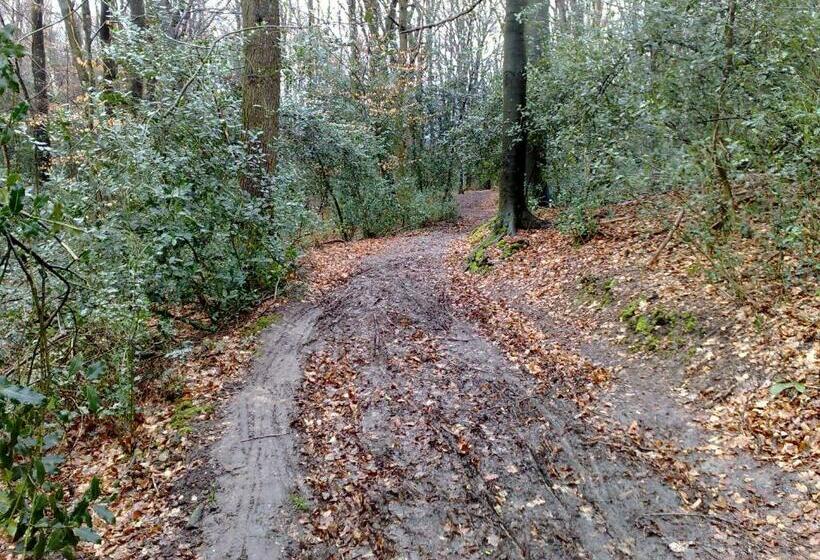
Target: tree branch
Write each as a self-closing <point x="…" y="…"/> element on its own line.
<point x="444" y="21"/>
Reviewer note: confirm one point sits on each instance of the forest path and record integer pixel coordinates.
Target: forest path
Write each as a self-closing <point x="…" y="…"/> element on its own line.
<point x="419" y="438"/>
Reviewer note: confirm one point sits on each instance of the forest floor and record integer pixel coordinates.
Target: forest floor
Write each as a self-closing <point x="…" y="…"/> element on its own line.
<point x="430" y="421"/>
<point x="403" y="407"/>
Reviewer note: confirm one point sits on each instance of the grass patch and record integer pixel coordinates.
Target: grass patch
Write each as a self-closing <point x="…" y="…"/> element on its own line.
<point x="300" y="503"/>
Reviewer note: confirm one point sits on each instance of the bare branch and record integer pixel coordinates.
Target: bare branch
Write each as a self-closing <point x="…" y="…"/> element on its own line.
<point x="444" y="21"/>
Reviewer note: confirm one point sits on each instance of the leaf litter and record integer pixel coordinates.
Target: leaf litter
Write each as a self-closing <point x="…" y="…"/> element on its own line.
<point x="462" y="416"/>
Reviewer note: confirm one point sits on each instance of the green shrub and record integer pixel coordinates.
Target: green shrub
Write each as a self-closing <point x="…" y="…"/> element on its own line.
<point x="578" y="220"/>
<point x="34" y="512"/>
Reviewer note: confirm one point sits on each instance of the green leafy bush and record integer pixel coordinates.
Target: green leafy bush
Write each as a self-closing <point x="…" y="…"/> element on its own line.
<point x="34" y="512"/>
<point x="579" y="221"/>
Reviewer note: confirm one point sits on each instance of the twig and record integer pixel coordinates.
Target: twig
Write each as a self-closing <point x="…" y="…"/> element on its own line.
<point x="269" y="436"/>
<point x="444" y="21"/>
<point x="668" y="238"/>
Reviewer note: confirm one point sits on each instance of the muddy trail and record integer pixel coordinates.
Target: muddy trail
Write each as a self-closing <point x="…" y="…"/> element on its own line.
<point x="378" y="422"/>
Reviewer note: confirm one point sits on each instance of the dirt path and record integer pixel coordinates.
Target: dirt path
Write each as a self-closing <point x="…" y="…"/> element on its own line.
<point x="255" y="457"/>
<point x="419" y="438"/>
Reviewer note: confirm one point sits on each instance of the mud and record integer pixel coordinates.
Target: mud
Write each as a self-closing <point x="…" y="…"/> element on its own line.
<point x="254" y="458"/>
<point x="465" y="455"/>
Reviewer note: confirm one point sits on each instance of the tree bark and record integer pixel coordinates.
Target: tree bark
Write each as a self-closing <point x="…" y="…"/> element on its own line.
<point x="39" y="99"/>
<point x="561" y="9"/>
<point x="85" y="14"/>
<point x="74" y="43"/>
<point x="261" y="80"/>
<point x="404" y="16"/>
<point x="109" y="65"/>
<point x="719" y="152"/>
<point x="598" y="12"/>
<point x="538" y="34"/>
<point x="513" y="213"/>
<point x="137" y="9"/>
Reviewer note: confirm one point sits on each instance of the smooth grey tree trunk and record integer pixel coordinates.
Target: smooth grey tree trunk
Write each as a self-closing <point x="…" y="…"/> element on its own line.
<point x="513" y="213"/>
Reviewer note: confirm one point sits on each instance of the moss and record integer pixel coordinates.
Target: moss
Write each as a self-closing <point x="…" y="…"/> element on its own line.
<point x="478" y="262"/>
<point x="479" y="234"/>
<point x="630" y="310"/>
<point x="509" y="248"/>
<point x="594" y="289"/>
<point x="658" y="327"/>
<point x="481" y="240"/>
<point x="262" y="323"/>
<point x="185" y="412"/>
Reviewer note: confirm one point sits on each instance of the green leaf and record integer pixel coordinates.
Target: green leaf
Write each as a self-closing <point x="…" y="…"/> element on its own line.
<point x="12" y="178"/>
<point x="781" y="386"/>
<point x="104" y="513"/>
<point x="86" y="534"/>
<point x="95" y="370"/>
<point x="94" y="490"/>
<point x="22" y="395"/>
<point x="16" y="199"/>
<point x="56" y="540"/>
<point x="51" y="462"/>
<point x="51" y="439"/>
<point x="93" y="399"/>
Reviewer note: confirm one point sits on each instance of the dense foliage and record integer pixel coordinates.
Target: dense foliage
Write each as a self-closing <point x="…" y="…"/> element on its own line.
<point x="716" y="101"/>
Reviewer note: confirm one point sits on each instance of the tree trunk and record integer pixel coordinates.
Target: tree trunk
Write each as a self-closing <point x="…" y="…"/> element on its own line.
<point x="561" y="9"/>
<point x="598" y="12"/>
<point x="404" y="16"/>
<point x="74" y="44"/>
<point x="39" y="105"/>
<point x="513" y="213"/>
<point x="354" y="25"/>
<point x="85" y="14"/>
<point x="538" y="34"/>
<point x="109" y="65"/>
<point x="719" y="152"/>
<point x="137" y="8"/>
<point x="261" y="80"/>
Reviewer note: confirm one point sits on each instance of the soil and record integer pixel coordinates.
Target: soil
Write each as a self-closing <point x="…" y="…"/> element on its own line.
<point x="381" y="422"/>
<point x="254" y="458"/>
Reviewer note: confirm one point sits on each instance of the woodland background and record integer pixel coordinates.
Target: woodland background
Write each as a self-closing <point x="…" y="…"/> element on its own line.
<point x="166" y="162"/>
